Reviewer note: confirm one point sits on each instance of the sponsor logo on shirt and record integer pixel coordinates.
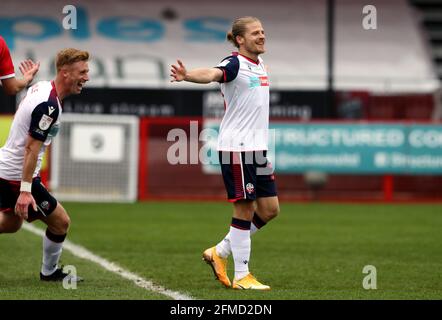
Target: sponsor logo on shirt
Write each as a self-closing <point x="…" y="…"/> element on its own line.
<point x="262" y="81"/>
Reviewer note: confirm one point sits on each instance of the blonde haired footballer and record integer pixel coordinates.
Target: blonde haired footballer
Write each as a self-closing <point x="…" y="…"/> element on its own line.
<point x="35" y="124"/>
<point x="242" y="147"/>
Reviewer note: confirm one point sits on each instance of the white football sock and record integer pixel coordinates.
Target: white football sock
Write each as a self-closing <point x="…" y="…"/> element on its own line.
<point x="51" y="255"/>
<point x="224" y="249"/>
<point x="241" y="247"/>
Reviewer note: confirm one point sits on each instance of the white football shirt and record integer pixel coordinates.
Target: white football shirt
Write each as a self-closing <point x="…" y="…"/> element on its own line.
<point x="38" y="116"/>
<point x="245" y="88"/>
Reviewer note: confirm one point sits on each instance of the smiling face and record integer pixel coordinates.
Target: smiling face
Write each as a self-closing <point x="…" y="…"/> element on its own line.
<point x="253" y="40"/>
<point x="75" y="76"/>
<point x="72" y="71"/>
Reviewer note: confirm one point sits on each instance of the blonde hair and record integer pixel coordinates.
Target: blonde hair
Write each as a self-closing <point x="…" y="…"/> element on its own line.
<point x="239" y="28"/>
<point x="69" y="56"/>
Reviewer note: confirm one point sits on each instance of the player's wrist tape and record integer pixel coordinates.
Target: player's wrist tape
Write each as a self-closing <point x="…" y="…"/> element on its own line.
<point x="25" y="186"/>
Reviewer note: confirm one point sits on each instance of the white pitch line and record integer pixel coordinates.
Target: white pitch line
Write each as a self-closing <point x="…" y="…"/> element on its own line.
<point x="84" y="253"/>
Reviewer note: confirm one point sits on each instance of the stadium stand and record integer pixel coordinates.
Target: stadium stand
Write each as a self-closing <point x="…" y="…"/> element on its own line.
<point x="392" y="58"/>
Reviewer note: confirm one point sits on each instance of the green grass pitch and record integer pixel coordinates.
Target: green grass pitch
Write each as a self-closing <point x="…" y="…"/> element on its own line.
<point x="311" y="251"/>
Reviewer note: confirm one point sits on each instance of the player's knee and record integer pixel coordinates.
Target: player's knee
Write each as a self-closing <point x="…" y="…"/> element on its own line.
<point x="65" y="223"/>
<point x="273" y="212"/>
<point x="270" y="212"/>
<point x="61" y="226"/>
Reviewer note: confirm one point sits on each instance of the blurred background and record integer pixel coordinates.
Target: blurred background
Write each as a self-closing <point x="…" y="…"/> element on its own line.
<point x="355" y="96"/>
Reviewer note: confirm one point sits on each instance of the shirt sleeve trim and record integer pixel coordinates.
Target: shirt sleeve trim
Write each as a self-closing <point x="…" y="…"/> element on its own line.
<point x="12" y="75"/>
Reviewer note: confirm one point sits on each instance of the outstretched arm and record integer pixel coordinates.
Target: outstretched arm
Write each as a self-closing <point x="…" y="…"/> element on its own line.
<point x="201" y="75"/>
<point x="13" y="85"/>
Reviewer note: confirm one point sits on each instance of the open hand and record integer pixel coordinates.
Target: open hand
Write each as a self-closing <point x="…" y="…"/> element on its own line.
<point x="178" y="73"/>
<point x="24" y="200"/>
<point x="29" y="69"/>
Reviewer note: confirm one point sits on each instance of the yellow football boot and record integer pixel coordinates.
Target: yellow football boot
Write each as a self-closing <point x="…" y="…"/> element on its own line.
<point x="249" y="282"/>
<point x="218" y="264"/>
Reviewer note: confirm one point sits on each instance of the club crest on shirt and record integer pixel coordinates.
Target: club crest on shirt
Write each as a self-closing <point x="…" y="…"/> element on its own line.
<point x="45" y="122"/>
